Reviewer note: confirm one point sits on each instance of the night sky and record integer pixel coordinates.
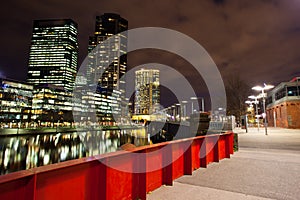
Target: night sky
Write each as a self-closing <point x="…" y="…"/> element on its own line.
<point x="257" y="39"/>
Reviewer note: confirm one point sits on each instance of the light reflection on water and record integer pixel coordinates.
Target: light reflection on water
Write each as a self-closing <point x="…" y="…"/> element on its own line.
<point x="28" y="151"/>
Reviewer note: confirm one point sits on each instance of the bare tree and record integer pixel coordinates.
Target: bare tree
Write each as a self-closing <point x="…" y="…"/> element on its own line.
<point x="237" y="92"/>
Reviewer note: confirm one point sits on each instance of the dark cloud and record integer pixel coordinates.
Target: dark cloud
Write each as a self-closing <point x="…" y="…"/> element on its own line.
<point x="181" y="19"/>
<point x="257" y="38"/>
<point x="219" y="2"/>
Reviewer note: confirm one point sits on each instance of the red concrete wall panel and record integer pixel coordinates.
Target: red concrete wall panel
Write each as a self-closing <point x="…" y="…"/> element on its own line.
<point x="22" y="188"/>
<point x="119" y="181"/>
<point x="230" y="144"/>
<point x="154" y="179"/>
<point x="167" y="163"/>
<point x="178" y="161"/>
<point x="196" y="153"/>
<point x="76" y="182"/>
<point x="222" y="147"/>
<point x="119" y="184"/>
<point x="212" y="149"/>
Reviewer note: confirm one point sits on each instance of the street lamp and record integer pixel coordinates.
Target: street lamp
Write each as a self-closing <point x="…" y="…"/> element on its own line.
<point x="184" y="110"/>
<point x="178" y="112"/>
<point x="249" y="102"/>
<point x="263" y="95"/>
<point x="246" y="116"/>
<point x="256" y="109"/>
<point x="173" y="113"/>
<point x="202" y="103"/>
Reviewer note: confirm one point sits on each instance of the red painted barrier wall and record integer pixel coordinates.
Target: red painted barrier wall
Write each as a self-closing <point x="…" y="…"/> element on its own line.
<point x="88" y="178"/>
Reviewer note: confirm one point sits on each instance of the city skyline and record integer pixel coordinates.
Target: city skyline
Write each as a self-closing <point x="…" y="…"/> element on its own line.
<point x="51" y="96"/>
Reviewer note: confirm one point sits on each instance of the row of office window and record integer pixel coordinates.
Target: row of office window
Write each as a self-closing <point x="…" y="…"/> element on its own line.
<point x="29" y="106"/>
<point x="284" y="90"/>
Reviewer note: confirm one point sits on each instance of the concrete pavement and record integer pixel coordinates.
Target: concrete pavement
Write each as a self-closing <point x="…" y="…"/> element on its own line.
<point x="277" y="138"/>
<point x="265" y="167"/>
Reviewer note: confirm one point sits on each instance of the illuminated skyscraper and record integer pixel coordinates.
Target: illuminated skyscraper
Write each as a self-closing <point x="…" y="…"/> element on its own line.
<point x="53" y="54"/>
<point x="107" y="74"/>
<point x="147" y="92"/>
<point x="52" y="69"/>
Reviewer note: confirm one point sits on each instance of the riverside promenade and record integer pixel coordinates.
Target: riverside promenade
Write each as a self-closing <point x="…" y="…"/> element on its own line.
<point x="265" y="167"/>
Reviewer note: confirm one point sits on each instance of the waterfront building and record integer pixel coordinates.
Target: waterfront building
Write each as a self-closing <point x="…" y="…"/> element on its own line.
<point x="147" y="92"/>
<point x="52" y="68"/>
<point x="15" y="103"/>
<point x="52" y="106"/>
<point x="106" y="75"/>
<point x="283" y="105"/>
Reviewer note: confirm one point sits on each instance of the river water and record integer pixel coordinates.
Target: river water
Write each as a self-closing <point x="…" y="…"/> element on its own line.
<point x="29" y="151"/>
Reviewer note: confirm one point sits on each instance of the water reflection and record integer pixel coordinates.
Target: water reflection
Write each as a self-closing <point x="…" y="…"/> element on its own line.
<point x="25" y="152"/>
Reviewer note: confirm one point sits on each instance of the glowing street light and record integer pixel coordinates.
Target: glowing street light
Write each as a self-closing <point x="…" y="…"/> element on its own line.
<point x="202" y="103"/>
<point x="263" y="95"/>
<point x="256" y="109"/>
<point x="249" y="102"/>
<point x="246" y="117"/>
<point x="184" y="110"/>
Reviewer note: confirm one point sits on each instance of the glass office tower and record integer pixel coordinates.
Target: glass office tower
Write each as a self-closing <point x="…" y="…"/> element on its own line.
<point x="52" y="68"/>
<point x="53" y="54"/>
<point x="106" y="75"/>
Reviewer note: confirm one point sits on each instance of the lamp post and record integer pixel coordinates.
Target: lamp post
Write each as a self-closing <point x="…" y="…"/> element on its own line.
<point x="256" y="109"/>
<point x="178" y="112"/>
<point x="263" y="94"/>
<point x="173" y="113"/>
<point x="202" y="103"/>
<point x="184" y="110"/>
<point x="246" y="116"/>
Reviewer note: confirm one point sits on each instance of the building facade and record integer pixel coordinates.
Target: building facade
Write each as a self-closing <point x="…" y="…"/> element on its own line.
<point x="51" y="106"/>
<point x="15" y="104"/>
<point x="52" y="69"/>
<point x="283" y="105"/>
<point x="107" y="63"/>
<point x="147" y="92"/>
<point x="53" y="56"/>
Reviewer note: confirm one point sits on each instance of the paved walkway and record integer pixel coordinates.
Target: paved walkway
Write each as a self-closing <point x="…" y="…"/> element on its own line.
<point x="265" y="167"/>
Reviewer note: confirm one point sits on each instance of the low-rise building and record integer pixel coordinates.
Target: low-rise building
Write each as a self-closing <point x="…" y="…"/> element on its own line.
<point x="52" y="105"/>
<point x="15" y="103"/>
<point x="283" y="105"/>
